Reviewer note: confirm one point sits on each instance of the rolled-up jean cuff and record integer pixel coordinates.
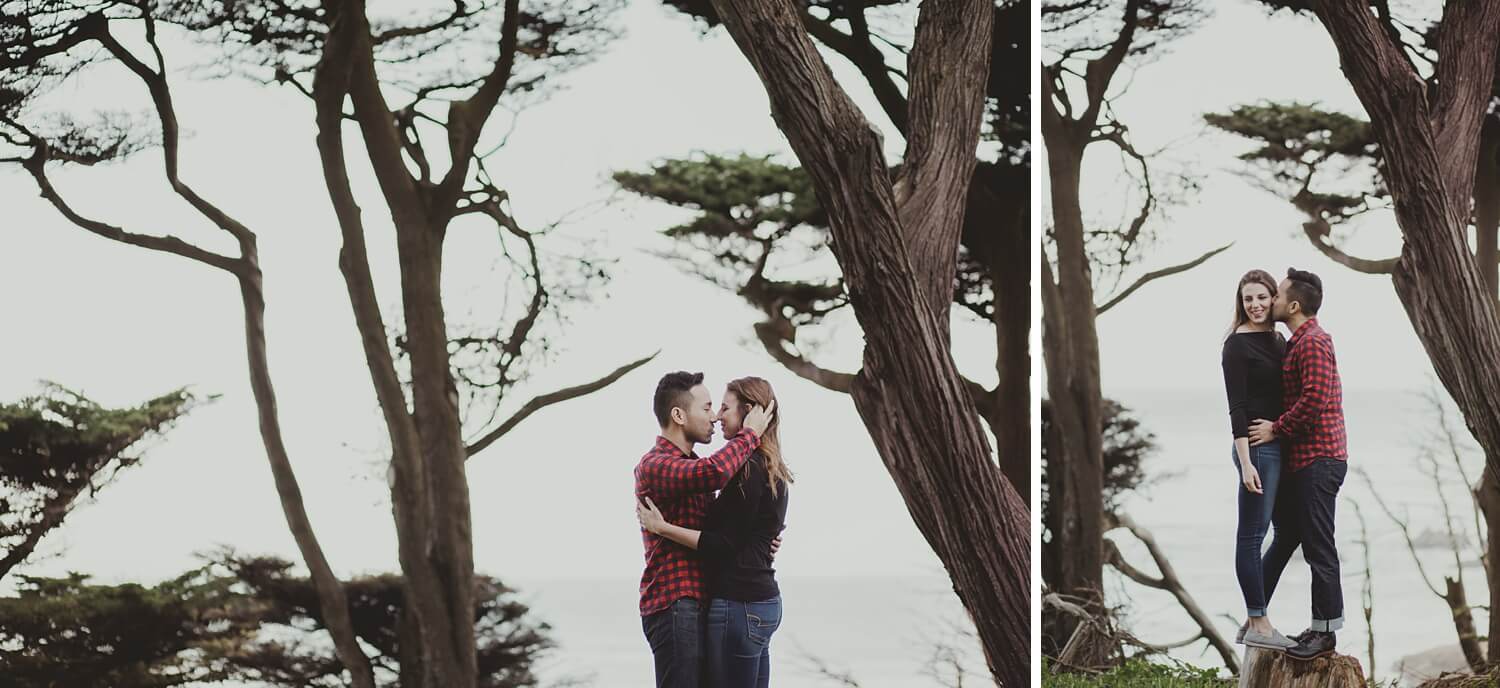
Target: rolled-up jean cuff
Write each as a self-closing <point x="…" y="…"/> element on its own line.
<point x="1252" y="613"/>
<point x="1328" y="625"/>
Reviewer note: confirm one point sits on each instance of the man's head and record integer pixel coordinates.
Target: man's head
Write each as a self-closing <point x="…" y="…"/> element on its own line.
<point x="682" y="401"/>
<point x="1301" y="293"/>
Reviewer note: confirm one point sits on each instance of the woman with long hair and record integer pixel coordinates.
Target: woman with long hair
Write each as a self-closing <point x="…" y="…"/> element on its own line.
<point x="1252" y="355"/>
<point x="735" y="545"/>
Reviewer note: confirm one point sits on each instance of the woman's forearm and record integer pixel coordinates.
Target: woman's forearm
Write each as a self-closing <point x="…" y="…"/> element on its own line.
<point x="1242" y="450"/>
<point x="686" y="537"/>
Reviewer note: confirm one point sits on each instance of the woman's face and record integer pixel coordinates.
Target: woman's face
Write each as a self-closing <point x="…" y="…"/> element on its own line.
<point x="731" y="419"/>
<point x="1256" y="299"/>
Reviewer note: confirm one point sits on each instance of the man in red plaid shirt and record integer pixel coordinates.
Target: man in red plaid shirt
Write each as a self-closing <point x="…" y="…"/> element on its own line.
<point x="1312" y="427"/>
<point x="682" y="486"/>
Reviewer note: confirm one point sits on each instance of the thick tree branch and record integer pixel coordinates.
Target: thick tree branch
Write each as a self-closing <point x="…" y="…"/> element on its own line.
<point x="771" y="338"/>
<point x="868" y="60"/>
<point x="466" y="118"/>
<point x="1467" y="56"/>
<point x="952" y="45"/>
<point x="557" y="397"/>
<point x="1158" y="274"/>
<point x="1318" y="233"/>
<point x="1101" y="70"/>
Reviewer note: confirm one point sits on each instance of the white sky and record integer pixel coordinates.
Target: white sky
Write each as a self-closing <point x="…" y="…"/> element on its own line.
<point x="551" y="500"/>
<point x="1167" y="335"/>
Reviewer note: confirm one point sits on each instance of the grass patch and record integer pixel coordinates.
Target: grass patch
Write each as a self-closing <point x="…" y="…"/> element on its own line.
<point x="1138" y="673"/>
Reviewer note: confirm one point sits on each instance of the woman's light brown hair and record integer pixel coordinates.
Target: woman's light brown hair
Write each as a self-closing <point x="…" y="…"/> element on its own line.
<point x="754" y="391"/>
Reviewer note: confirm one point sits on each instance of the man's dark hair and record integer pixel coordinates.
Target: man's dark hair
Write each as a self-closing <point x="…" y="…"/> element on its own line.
<point x="670" y="392"/>
<point x="1306" y="289"/>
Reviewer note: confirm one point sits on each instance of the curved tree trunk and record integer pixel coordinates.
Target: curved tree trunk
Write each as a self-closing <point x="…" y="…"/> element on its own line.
<point x="332" y="601"/>
<point x="897" y="246"/>
<point x="1431" y="147"/>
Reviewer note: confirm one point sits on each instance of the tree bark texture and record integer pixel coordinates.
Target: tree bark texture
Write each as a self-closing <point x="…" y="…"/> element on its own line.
<point x="1431" y="148"/>
<point x="1070" y="342"/>
<point x="1272" y="669"/>
<point x="896" y="242"/>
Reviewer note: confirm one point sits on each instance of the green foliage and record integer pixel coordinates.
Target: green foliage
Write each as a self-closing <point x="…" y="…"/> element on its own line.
<point x="509" y="642"/>
<point x="1326" y="163"/>
<point x="1296" y="131"/>
<point x="234" y="619"/>
<point x="744" y="190"/>
<point x="755" y="217"/>
<point x="55" y="445"/>
<point x="68" y="632"/>
<point x="1138" y="672"/>
<point x="1126" y="445"/>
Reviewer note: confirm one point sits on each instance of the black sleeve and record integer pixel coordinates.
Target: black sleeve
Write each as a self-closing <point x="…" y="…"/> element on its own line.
<point x="727" y="542"/>
<point x="1237" y="386"/>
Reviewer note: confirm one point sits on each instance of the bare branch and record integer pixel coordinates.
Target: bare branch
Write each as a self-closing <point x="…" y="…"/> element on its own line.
<point x="1318" y="232"/>
<point x="1172" y="584"/>
<point x="1158" y="274"/>
<point x="545" y="400"/>
<point x="771" y="337"/>
<point x="1405" y="529"/>
<point x="166" y="244"/>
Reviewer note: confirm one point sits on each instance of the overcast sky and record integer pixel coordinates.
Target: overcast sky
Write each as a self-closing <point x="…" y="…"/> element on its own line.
<point x="1167" y="335"/>
<point x="551" y="500"/>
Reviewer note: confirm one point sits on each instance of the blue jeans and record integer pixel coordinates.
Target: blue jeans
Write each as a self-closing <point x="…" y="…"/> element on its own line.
<point x="1256" y="512"/>
<point x="674" y="635"/>
<point x="738" y="642"/>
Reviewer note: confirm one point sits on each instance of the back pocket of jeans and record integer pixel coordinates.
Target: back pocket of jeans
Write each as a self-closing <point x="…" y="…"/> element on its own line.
<point x="760" y="626"/>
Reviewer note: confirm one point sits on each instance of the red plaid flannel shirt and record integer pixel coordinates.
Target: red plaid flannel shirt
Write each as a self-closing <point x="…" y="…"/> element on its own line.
<point x="682" y="487"/>
<point x="1313" y="423"/>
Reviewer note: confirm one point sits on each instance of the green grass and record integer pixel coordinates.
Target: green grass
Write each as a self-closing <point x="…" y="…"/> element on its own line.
<point x="1139" y="673"/>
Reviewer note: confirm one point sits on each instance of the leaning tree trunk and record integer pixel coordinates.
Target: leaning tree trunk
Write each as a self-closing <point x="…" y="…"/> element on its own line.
<point x="1487" y="204"/>
<point x="897" y="246"/>
<point x="1430" y="142"/>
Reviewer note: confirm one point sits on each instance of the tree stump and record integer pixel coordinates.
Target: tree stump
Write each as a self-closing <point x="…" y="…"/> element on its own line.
<point x="1273" y="669"/>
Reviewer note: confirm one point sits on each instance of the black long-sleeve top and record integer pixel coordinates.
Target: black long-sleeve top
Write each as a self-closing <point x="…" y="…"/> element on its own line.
<point x="736" y="540"/>
<point x="1252" y="378"/>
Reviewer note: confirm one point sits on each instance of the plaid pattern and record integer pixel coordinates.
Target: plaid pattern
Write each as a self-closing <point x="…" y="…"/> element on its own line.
<point x="682" y="487"/>
<point x="1313" y="398"/>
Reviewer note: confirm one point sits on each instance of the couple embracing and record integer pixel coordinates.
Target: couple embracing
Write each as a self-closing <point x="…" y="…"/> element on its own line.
<point x="1291" y="451"/>
<point x="709" y="598"/>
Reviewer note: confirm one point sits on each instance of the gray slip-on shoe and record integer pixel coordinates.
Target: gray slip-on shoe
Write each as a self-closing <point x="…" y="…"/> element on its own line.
<point x="1272" y="641"/>
<point x="1239" y="638"/>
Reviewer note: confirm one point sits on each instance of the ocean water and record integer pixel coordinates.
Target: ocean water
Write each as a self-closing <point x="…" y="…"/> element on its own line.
<point x="1192" y="513"/>
<point x="881" y="632"/>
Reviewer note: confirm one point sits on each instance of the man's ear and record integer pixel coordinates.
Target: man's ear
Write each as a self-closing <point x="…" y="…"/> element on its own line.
<point x="679" y="416"/>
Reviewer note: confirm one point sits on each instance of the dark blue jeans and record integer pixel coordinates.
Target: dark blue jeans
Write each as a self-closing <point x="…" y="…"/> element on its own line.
<point x="1256" y="512"/>
<point x="1304" y="518"/>
<point x="739" y="642"/>
<point x="675" y="635"/>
